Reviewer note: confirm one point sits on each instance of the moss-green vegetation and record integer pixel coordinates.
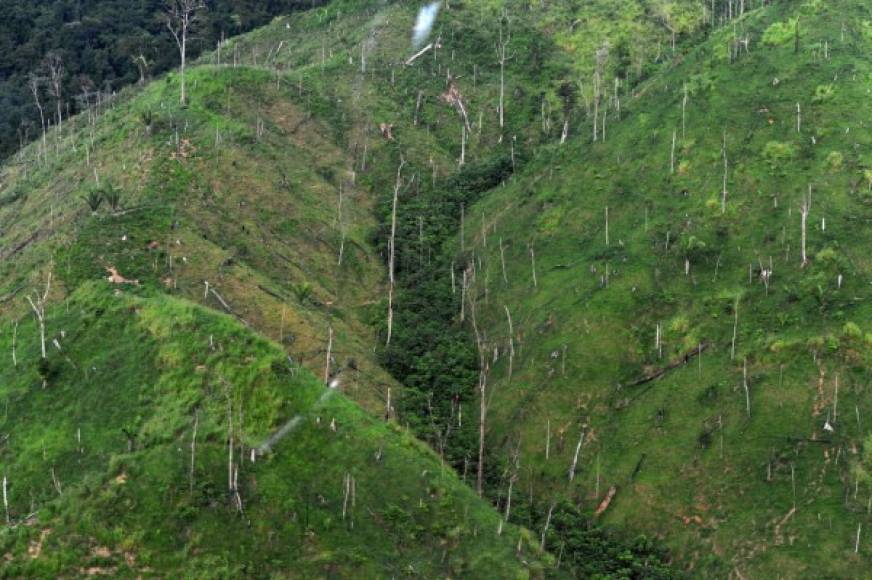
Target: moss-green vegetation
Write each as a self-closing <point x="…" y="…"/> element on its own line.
<point x="715" y="455"/>
<point x="98" y="460"/>
<point x="496" y="225"/>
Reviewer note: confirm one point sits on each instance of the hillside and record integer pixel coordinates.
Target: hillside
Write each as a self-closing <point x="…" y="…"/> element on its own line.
<point x="245" y="202"/>
<point x="560" y="243"/>
<point x="621" y="261"/>
<point x="159" y="437"/>
<point x="93" y="48"/>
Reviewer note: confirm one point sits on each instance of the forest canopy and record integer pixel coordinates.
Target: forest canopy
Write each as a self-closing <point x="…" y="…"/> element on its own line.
<point x="102" y="46"/>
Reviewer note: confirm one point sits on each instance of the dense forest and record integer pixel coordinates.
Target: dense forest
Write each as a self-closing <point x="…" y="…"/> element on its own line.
<point x="100" y="46"/>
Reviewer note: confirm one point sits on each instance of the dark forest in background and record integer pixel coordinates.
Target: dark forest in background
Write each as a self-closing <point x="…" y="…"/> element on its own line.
<point x="102" y="44"/>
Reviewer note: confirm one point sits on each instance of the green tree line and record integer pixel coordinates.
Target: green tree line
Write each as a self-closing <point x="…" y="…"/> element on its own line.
<point x="103" y="45"/>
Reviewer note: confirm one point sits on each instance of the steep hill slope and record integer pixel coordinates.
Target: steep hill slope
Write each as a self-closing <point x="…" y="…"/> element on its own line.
<point x="161" y="438"/>
<point x="318" y="156"/>
<point x="232" y="201"/>
<point x="245" y="202"/>
<point x="601" y="274"/>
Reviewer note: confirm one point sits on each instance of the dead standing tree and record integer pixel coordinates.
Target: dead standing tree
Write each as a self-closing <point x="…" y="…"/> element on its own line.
<point x="803" y="212"/>
<point x="38" y="307"/>
<point x="181" y="17"/>
<point x="55" y="65"/>
<point x="33" y="83"/>
<point x="602" y="56"/>
<point x="503" y="57"/>
<point x="483" y="393"/>
<point x="392" y="249"/>
<point x="724" y="190"/>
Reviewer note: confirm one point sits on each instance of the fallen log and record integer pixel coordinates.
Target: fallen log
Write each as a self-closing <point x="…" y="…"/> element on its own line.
<point x="16" y="249"/>
<point x="227" y="306"/>
<point x="11" y="295"/>
<point x="674" y="364"/>
<point x="272" y="293"/>
<point x="604" y="504"/>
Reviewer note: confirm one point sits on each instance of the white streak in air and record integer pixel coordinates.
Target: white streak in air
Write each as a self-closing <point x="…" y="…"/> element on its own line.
<point x="424" y="23"/>
<point x="290" y="425"/>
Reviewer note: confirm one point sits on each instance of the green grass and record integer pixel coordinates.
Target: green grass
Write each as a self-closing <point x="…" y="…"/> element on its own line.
<point x="241" y="187"/>
<point x="140" y="363"/>
<point x="700" y="452"/>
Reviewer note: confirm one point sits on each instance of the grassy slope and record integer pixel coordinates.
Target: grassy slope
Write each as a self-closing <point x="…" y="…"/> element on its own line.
<point x="233" y="200"/>
<point x="242" y="211"/>
<point x="151" y="364"/>
<point x="257" y="216"/>
<point x="689" y="463"/>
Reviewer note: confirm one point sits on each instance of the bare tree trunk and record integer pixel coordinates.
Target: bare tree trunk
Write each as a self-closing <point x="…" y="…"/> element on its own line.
<point x="545" y="529"/>
<point x="804" y="209"/>
<point x="14" y="337"/>
<point x="724" y="192"/>
<point x="230" y="486"/>
<point x="193" y="451"/>
<point x="503" y="56"/>
<point x="180" y="17"/>
<point x="511" y="341"/>
<point x="575" y="458"/>
<point x="503" y="261"/>
<point x="482" y="421"/>
<point x="392" y="250"/>
<point x="735" y="329"/>
<point x="33" y="84"/>
<point x="596" y="100"/>
<point x="329" y="355"/>
<point x="55" y="66"/>
<point x="683" y="111"/>
<point x="483" y="398"/>
<point x="38" y="308"/>
<point x="547" y="439"/>
<point x="6" y="500"/>
<point x="533" y="266"/>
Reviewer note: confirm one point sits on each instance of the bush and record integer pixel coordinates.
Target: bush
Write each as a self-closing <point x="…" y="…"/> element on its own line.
<point x="302" y="291"/>
<point x="851" y="330"/>
<point x="834" y="161"/>
<point x="94" y="199"/>
<point x="823" y="94"/>
<point x="780" y="33"/>
<point x="777" y="154"/>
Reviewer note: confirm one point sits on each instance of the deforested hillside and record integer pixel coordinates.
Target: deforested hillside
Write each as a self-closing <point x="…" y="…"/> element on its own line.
<point x="160" y="438"/>
<point x="675" y="316"/>
<point x="607" y="260"/>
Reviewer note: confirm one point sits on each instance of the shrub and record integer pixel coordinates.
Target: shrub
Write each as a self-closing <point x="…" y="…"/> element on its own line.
<point x="827" y="255"/>
<point x="679" y="324"/>
<point x="777" y="153"/>
<point x="94" y="199"/>
<point x="834" y="161"/>
<point x="780" y="33"/>
<point x="851" y="330"/>
<point x="302" y="291"/>
<point x="823" y="94"/>
<point x="112" y="195"/>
